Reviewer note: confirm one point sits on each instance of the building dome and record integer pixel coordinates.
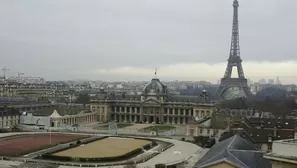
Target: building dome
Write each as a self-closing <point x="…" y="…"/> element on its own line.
<point x="155" y="87"/>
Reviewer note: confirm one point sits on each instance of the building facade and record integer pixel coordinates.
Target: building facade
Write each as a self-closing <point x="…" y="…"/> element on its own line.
<point x="55" y="120"/>
<point x="263" y="131"/>
<point x="30" y="90"/>
<point x="210" y="126"/>
<point x="154" y="105"/>
<point x="8" y="89"/>
<point x="9" y="117"/>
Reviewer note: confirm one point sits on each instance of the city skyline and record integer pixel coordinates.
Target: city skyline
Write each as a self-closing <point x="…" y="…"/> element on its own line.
<point x="104" y="40"/>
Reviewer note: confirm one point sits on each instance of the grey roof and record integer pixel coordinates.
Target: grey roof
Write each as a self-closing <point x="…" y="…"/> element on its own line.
<point x="156" y="87"/>
<point x="182" y="98"/>
<point x="237" y="151"/>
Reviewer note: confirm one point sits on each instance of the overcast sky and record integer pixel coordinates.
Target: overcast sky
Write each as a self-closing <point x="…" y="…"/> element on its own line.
<point x="128" y="39"/>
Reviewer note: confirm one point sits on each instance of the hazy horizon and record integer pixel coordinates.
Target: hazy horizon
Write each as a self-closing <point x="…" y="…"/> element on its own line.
<point x="126" y="40"/>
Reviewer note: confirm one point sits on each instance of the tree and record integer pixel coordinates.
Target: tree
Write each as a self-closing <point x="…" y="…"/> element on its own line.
<point x="83" y="98"/>
<point x="200" y="140"/>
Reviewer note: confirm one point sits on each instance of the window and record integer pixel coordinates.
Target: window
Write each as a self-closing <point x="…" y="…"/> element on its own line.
<point x="196" y="112"/>
<point x="181" y="112"/>
<point x="208" y="131"/>
<point x="175" y="112"/>
<point x="200" y="130"/>
<point x="269" y="147"/>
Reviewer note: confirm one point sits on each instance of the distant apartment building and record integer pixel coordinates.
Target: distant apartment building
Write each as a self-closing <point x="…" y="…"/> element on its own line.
<point x="34" y="90"/>
<point x="9" y="117"/>
<point x="209" y="126"/>
<point x="8" y="89"/>
<point x="31" y="90"/>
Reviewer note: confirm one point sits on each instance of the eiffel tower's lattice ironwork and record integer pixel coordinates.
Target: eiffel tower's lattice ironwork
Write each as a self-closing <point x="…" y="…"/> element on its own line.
<point x="234" y="61"/>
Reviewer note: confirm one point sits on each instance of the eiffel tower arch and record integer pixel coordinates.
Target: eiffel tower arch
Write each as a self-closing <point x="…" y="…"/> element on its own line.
<point x="234" y="60"/>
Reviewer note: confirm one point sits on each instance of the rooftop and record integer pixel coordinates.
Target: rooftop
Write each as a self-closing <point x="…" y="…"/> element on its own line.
<point x="235" y="150"/>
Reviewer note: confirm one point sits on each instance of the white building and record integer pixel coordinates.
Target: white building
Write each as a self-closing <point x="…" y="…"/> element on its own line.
<point x="55" y="120"/>
<point x="284" y="154"/>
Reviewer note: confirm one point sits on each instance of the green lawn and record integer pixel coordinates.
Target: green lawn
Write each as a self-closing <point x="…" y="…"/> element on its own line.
<point x="119" y="125"/>
<point x="161" y="128"/>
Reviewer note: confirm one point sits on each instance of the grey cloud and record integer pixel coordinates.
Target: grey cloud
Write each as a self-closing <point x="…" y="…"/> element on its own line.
<point x="67" y="35"/>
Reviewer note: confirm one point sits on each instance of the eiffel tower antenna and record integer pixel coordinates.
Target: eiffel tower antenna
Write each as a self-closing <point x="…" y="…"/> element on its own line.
<point x="234" y="61"/>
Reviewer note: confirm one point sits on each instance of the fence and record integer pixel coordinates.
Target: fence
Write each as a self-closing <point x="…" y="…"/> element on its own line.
<point x="179" y="131"/>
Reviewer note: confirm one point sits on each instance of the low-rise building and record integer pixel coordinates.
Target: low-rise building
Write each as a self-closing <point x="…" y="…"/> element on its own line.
<point x="263" y="131"/>
<point x="283" y="154"/>
<point x="209" y="126"/>
<point x="8" y="89"/>
<point x="56" y="120"/>
<point x="234" y="152"/>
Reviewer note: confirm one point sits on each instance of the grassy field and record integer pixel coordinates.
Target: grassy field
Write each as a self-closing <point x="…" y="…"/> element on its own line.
<point x="160" y="128"/>
<point x="108" y="147"/>
<point x="119" y="125"/>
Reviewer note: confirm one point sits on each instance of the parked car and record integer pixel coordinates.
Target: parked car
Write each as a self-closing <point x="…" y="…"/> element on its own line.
<point x="210" y="142"/>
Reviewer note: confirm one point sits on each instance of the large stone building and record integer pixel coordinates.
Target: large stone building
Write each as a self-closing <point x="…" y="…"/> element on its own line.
<point x="154" y="105"/>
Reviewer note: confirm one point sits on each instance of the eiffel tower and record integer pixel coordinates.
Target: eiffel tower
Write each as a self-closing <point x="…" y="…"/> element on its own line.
<point x="234" y="60"/>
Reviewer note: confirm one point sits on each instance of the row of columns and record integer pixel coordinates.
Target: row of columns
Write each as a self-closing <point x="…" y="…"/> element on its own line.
<point x="151" y="118"/>
<point x="79" y="119"/>
<point x="183" y="112"/>
<point x="180" y="112"/>
<point x="9" y="121"/>
<point x="119" y="109"/>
